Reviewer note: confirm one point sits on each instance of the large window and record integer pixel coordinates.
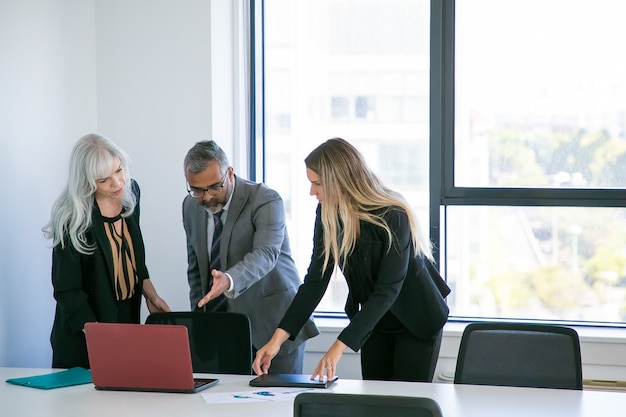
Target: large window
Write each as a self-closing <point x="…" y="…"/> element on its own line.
<point x="533" y="156"/>
<point x="502" y="121"/>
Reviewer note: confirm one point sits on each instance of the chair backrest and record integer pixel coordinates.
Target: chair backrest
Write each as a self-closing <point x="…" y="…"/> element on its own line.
<point x="220" y="342"/>
<point x="519" y="354"/>
<point x="315" y="404"/>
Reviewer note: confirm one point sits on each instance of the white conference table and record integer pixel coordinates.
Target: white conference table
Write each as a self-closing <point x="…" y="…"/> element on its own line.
<point x="455" y="400"/>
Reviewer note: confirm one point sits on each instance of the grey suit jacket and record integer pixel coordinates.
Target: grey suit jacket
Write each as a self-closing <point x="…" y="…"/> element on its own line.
<point x="255" y="252"/>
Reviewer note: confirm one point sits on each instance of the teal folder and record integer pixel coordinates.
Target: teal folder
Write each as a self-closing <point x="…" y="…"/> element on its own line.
<point x="69" y="377"/>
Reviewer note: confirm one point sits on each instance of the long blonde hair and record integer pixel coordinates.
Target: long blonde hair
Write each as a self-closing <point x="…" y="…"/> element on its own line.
<point x="352" y="192"/>
<point x="91" y="159"/>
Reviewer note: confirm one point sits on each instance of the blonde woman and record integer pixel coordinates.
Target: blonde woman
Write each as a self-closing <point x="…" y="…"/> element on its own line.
<point x="396" y="300"/>
<point x="98" y="256"/>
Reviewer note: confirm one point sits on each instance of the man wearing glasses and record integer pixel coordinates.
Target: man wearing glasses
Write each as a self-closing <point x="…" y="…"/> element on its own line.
<point x="238" y="251"/>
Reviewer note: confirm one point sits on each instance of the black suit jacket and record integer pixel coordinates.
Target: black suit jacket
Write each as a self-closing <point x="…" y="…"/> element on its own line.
<point x="83" y="289"/>
<point x="380" y="279"/>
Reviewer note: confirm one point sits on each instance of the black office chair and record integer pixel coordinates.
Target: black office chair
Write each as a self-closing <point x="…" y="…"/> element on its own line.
<point x="315" y="404"/>
<point x="520" y="355"/>
<point x="220" y="342"/>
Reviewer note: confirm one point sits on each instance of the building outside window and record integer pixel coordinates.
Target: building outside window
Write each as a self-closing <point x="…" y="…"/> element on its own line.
<point x="351" y="69"/>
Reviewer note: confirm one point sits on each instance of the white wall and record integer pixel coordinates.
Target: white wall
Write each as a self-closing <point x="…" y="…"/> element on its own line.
<point x="47" y="100"/>
<point x="137" y="71"/>
<point x="154" y="99"/>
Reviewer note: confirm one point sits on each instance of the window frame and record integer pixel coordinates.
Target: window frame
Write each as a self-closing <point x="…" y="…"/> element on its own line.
<point x="443" y="192"/>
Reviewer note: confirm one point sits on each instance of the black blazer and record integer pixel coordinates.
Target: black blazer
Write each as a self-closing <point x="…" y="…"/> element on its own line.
<point x="379" y="280"/>
<point x="83" y="288"/>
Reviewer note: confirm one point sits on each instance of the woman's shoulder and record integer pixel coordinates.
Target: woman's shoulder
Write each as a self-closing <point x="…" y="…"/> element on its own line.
<point x="134" y="186"/>
<point x="136" y="192"/>
<point x="395" y="217"/>
<point x="392" y="213"/>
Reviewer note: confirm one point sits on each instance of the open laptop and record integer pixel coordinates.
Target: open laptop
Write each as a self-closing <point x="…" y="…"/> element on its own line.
<point x="291" y="380"/>
<point x="142" y="357"/>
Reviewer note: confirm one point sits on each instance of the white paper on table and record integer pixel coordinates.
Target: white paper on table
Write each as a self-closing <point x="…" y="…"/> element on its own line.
<point x="259" y="395"/>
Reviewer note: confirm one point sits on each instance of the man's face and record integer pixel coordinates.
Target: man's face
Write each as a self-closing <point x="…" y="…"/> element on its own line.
<point x="212" y="186"/>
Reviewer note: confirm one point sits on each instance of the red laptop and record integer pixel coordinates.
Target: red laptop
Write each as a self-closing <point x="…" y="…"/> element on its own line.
<point x="142" y="357"/>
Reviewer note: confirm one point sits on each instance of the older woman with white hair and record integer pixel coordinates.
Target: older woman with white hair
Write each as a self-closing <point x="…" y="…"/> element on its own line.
<point x="98" y="256"/>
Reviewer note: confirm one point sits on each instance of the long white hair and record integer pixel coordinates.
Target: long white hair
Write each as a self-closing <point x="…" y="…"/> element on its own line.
<point x="91" y="159"/>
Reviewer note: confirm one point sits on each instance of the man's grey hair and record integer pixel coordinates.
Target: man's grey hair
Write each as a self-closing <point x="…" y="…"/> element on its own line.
<point x="201" y="154"/>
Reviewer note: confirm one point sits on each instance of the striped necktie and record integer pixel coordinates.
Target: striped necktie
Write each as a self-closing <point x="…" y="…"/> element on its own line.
<point x="215" y="245"/>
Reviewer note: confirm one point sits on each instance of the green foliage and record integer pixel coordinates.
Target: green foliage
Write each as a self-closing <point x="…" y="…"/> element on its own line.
<point x="558" y="288"/>
<point x="606" y="266"/>
<point x="513" y="162"/>
<point x="510" y="289"/>
<point x="535" y="157"/>
<point x="574" y="258"/>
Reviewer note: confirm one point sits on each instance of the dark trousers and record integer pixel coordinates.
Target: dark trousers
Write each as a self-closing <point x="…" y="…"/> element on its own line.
<point x="399" y="356"/>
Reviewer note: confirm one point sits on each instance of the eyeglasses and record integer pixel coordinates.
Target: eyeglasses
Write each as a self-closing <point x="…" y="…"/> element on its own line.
<point x="212" y="190"/>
